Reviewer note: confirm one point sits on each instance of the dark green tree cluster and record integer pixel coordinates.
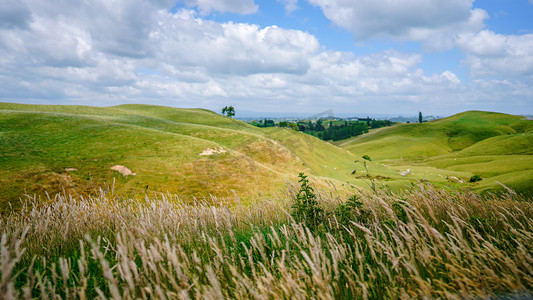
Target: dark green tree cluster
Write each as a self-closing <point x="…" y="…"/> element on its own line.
<point x="343" y="131"/>
<point x="264" y="123"/>
<point x="338" y="130"/>
<point x="379" y="123"/>
<point x="285" y="124"/>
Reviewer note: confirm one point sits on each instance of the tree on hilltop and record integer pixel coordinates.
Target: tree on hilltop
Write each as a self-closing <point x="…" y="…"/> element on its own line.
<point x="419" y="117"/>
<point x="228" y="111"/>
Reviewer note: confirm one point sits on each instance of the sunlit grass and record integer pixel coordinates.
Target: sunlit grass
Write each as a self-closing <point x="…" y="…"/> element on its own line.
<point x="426" y="243"/>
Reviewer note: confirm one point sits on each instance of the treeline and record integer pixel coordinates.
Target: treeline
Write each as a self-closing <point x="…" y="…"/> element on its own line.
<point x="346" y="130"/>
<point x="334" y="130"/>
<point x="263" y="123"/>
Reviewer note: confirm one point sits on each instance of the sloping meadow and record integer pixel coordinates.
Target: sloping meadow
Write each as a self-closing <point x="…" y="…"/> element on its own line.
<point x="427" y="242"/>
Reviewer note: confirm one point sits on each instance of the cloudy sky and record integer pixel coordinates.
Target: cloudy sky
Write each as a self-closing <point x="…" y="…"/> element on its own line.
<point x="305" y="56"/>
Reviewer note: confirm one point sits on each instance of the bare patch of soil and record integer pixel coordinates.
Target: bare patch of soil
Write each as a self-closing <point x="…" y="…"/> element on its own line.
<point x="123" y="170"/>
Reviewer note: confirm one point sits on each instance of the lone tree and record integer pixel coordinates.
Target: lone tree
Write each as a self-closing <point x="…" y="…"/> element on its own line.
<point x="419" y="117"/>
<point x="228" y="111"/>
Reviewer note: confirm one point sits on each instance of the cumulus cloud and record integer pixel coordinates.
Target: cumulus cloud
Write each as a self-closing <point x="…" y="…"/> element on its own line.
<point x="231" y="48"/>
<point x="111" y="52"/>
<point x="489" y="54"/>
<point x="433" y="22"/>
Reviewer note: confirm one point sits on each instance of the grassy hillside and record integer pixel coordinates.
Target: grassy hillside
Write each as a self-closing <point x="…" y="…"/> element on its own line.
<point x="50" y="149"/>
<point x="41" y="145"/>
<point x="499" y="147"/>
<point x="160" y="144"/>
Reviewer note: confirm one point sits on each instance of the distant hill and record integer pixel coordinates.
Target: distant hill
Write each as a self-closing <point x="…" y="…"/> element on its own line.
<point x="494" y="145"/>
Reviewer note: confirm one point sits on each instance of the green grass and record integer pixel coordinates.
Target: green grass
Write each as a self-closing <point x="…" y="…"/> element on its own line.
<point x="160" y="144"/>
<point x="145" y="236"/>
<point x="427" y="243"/>
<point x="496" y="146"/>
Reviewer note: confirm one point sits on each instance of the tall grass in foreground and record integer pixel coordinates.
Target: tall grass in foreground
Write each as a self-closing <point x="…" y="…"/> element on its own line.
<point x="428" y="242"/>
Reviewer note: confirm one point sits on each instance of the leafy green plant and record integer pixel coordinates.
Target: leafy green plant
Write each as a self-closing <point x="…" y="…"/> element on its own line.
<point x="306" y="208"/>
<point x="475" y="178"/>
<point x="351" y="210"/>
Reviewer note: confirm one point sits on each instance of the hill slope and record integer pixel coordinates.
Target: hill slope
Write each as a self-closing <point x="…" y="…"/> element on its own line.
<point x="497" y="146"/>
<point x="46" y="148"/>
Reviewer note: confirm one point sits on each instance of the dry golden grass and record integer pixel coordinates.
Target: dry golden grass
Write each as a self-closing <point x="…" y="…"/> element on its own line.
<point x="426" y="243"/>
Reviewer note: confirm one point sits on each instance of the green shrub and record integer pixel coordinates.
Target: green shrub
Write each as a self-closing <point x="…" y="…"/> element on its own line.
<point x="346" y="212"/>
<point x="475" y="178"/>
<point x="306" y="208"/>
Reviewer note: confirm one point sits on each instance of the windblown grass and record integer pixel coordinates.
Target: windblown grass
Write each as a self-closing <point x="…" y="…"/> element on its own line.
<point x="428" y="242"/>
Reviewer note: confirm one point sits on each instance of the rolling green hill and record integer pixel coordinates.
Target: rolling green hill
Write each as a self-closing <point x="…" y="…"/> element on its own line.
<point x="50" y="149"/>
<point x="499" y="147"/>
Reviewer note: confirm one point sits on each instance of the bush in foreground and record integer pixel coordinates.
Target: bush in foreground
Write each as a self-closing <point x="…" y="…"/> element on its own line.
<point x="426" y="243"/>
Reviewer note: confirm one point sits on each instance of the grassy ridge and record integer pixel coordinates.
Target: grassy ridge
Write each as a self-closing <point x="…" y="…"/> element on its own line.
<point x="161" y="144"/>
<point x="498" y="147"/>
<point x="424" y="244"/>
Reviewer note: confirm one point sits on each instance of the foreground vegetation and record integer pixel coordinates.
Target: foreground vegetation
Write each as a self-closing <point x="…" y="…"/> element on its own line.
<point x="303" y="243"/>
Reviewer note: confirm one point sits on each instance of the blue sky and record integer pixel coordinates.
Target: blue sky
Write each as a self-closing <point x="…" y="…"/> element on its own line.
<point x="304" y="56"/>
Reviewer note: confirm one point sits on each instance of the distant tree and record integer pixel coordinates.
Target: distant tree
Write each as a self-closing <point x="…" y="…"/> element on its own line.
<point x="319" y="126"/>
<point x="228" y="111"/>
<point x="419" y="117"/>
<point x="231" y="111"/>
<point x="294" y="126"/>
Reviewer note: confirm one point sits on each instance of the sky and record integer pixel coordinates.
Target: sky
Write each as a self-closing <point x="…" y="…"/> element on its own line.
<point x="394" y="57"/>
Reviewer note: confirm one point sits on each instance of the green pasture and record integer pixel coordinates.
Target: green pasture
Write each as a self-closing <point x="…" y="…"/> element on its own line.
<point x="497" y="146"/>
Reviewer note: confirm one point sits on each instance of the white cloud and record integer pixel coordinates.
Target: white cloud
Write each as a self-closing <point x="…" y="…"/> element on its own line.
<point x="492" y="54"/>
<point x="433" y="22"/>
<point x="110" y="52"/>
<point x="231" y="48"/>
<point x="291" y="5"/>
<point x="232" y="6"/>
